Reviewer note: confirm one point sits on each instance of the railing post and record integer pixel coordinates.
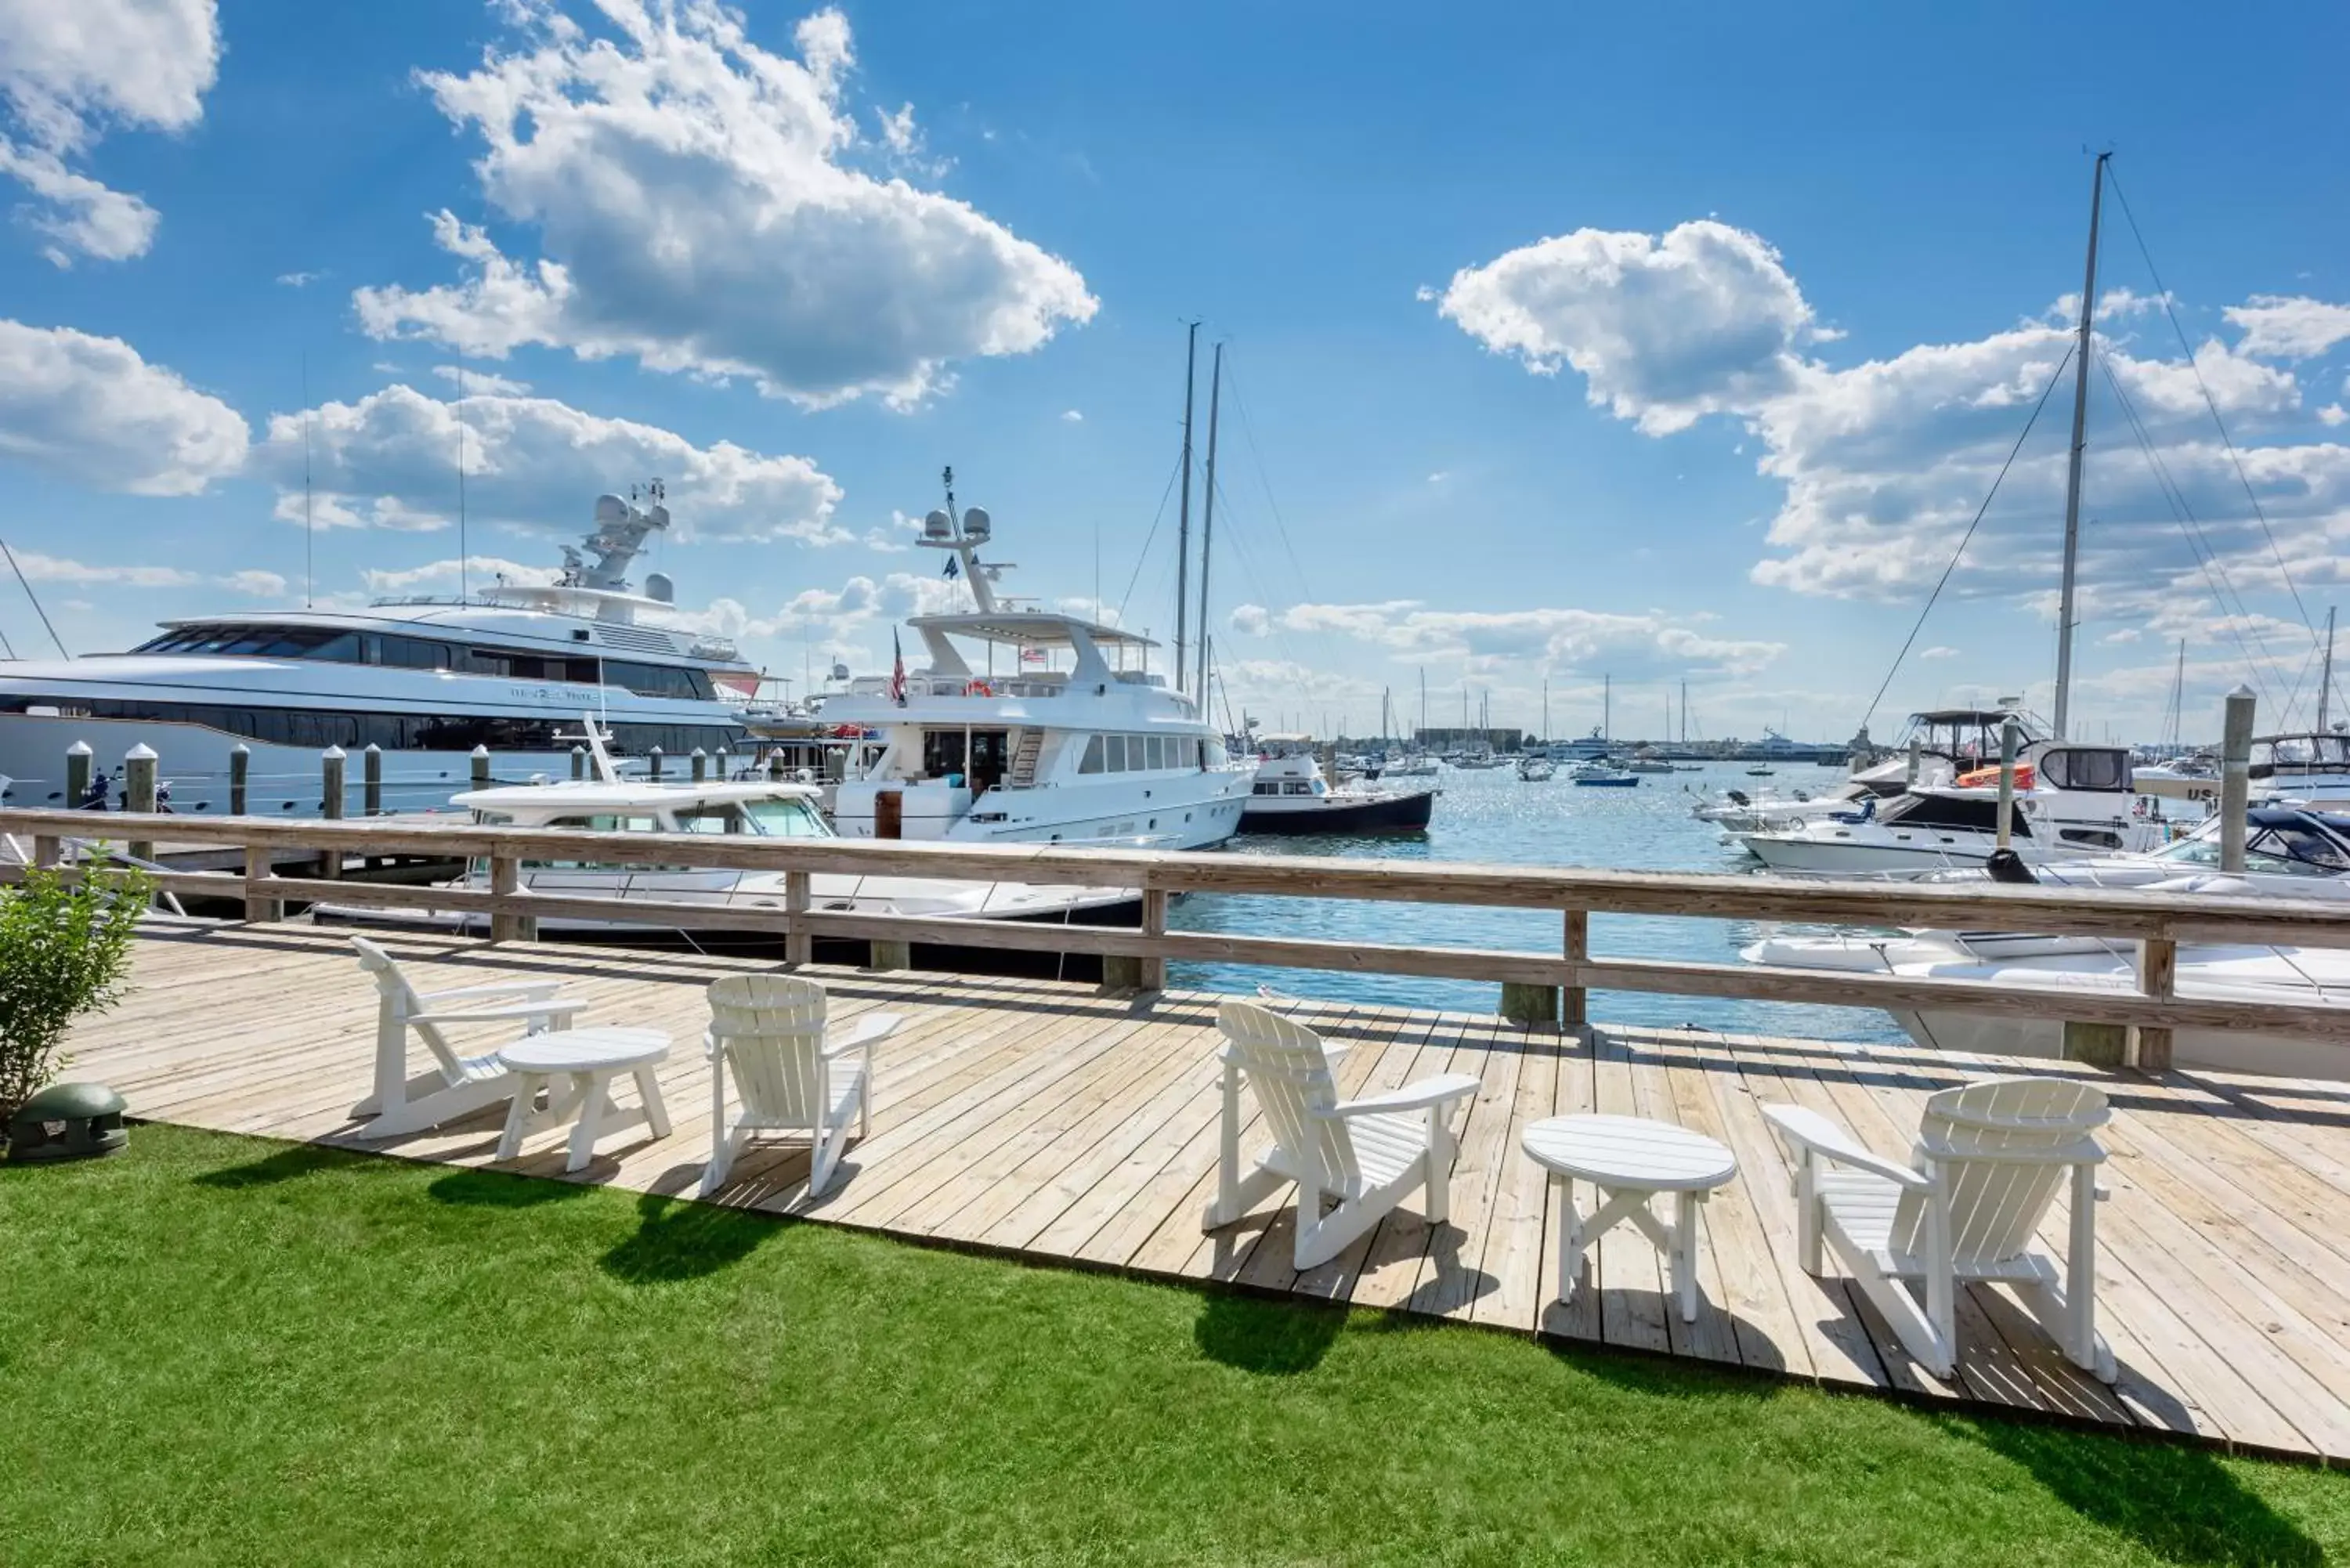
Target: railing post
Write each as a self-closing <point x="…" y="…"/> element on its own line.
<point x="259" y="871"/>
<point x="2158" y="977"/>
<point x="481" y="760"/>
<point x="799" y="942"/>
<point x="2235" y="779"/>
<point x="506" y="881"/>
<point x="701" y="764"/>
<point x="77" y="775"/>
<point x="139" y="793"/>
<point x="330" y="807"/>
<point x="1575" y="1013"/>
<point x="240" y="775"/>
<point x="47" y="849"/>
<point x="1153" y="975"/>
<point x="578" y="763"/>
<point x="371" y="781"/>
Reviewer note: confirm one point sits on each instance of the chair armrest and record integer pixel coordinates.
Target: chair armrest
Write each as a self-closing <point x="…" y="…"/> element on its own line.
<point x="494" y="1015"/>
<point x="1436" y="1091"/>
<point x="1808" y="1132"/>
<point x="712" y="1047"/>
<point x="869" y="1030"/>
<point x="499" y="987"/>
<point x="2083" y="1151"/>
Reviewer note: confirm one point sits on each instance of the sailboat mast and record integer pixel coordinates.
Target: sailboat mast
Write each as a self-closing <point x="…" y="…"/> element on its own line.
<point x="1685" y="712"/>
<point x="2325" y="677"/>
<point x="2073" y="472"/>
<point x="1208" y="523"/>
<point x="1423" y="704"/>
<point x="1607" y="707"/>
<point x="1545" y="707"/>
<point x="1183" y="515"/>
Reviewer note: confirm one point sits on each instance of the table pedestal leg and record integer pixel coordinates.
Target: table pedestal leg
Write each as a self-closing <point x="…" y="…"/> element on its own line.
<point x="1570" y="1238"/>
<point x="1684" y="1252"/>
<point x="595" y="1090"/>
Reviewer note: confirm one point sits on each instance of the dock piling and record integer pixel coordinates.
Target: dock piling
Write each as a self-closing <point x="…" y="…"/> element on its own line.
<point x="139" y="793"/>
<point x="2235" y="779"/>
<point x="371" y="781"/>
<point x="331" y="799"/>
<point x="481" y="760"/>
<point x="240" y="773"/>
<point x="77" y="775"/>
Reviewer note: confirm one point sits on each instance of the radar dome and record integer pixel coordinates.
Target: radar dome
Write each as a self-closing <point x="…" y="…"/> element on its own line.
<point x="611" y="509"/>
<point x="840" y="672"/>
<point x="976" y="523"/>
<point x="658" y="587"/>
<point x="938" y="525"/>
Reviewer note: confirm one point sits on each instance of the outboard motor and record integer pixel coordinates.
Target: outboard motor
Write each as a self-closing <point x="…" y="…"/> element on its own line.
<point x="2007" y="865"/>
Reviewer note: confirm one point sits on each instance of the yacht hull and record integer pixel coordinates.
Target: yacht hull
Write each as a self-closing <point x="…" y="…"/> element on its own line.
<point x="1400" y="813"/>
<point x="2265" y="1055"/>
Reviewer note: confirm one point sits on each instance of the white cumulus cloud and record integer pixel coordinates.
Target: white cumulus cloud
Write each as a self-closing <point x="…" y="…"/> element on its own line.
<point x="700" y="205"/>
<point x="389" y="460"/>
<point x="70" y="69"/>
<point x="90" y="410"/>
<point x="2289" y="327"/>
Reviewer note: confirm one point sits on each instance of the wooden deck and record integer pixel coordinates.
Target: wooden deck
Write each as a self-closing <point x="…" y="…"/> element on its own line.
<point x="1040" y="1121"/>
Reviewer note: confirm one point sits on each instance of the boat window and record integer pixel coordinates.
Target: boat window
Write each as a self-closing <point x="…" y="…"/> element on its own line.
<point x="412" y="653"/>
<point x="1155" y="749"/>
<point x="1267" y="789"/>
<point x="1213" y="753"/>
<point x="401" y="731"/>
<point x="1961" y="813"/>
<point x="943" y="752"/>
<point x="719" y="817"/>
<point x="1297" y="786"/>
<point x="788" y="818"/>
<point x="1092" y="763"/>
<point x="1113" y="753"/>
<point x="2076" y="768"/>
<point x="660" y="680"/>
<point x="2297" y="849"/>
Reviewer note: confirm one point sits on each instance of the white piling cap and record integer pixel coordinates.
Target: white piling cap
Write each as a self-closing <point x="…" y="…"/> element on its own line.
<point x="78" y="749"/>
<point x="332" y="755"/>
<point x="482" y="752"/>
<point x="2244" y="692"/>
<point x="141" y="752"/>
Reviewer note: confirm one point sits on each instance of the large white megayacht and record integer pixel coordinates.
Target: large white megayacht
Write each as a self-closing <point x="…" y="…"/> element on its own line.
<point x="1030" y="752"/>
<point x="426" y="679"/>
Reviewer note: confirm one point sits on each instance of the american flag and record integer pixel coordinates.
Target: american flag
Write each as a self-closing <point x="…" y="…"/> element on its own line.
<point x="897" y="670"/>
<point x="1032" y="656"/>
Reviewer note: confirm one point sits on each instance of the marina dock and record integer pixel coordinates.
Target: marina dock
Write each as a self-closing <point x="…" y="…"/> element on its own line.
<point x="1056" y="1124"/>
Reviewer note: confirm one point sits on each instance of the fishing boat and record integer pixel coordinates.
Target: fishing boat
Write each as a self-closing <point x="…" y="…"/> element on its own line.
<point x="1290" y="795"/>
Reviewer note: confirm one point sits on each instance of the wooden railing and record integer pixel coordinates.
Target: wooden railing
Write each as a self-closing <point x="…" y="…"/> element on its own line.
<point x="2156" y="921"/>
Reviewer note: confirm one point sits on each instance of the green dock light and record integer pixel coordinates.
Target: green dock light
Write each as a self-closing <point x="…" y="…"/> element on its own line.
<point x="68" y="1121"/>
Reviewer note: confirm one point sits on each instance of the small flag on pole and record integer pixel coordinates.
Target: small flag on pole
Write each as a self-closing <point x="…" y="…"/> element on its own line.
<point x="1032" y="656"/>
<point x="897" y="670"/>
<point x="955" y="567"/>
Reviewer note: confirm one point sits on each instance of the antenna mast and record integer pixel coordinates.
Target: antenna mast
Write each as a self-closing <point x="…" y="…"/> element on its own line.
<point x="462" y="590"/>
<point x="1183" y="515"/>
<point x="2073" y="472"/>
<point x="1208" y="523"/>
<point x="309" y="532"/>
<point x="2326" y="677"/>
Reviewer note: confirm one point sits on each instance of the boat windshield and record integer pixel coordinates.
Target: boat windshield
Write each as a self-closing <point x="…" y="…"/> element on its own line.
<point x="2298" y="751"/>
<point x="793" y="818"/>
<point x="2283" y="850"/>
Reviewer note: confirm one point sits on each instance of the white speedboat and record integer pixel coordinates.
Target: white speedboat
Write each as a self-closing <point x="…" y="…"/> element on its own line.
<point x="2310" y="770"/>
<point x="426" y="681"/>
<point x="2287" y="853"/>
<point x="2069" y="801"/>
<point x="1055" y="746"/>
<point x="1411" y="765"/>
<point x="1290" y="794"/>
<point x="744" y="809"/>
<point x="1536" y="769"/>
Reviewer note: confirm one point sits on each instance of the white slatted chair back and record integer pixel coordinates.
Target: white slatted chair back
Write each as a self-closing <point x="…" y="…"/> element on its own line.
<point x="1996" y="1206"/>
<point x="397" y="1002"/>
<point x="772" y="1029"/>
<point x="1289" y="1068"/>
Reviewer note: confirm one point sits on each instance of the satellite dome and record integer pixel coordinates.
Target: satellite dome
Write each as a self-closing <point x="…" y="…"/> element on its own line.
<point x="611" y="509"/>
<point x="658" y="587"/>
<point x="938" y="525"/>
<point x="976" y="523"/>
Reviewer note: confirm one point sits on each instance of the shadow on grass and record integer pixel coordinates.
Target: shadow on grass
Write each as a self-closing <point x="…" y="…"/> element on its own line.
<point x="1275" y="1338"/>
<point x="285" y="1164"/>
<point x="2178" y="1503"/>
<point x="502" y="1190"/>
<point x="677" y="1239"/>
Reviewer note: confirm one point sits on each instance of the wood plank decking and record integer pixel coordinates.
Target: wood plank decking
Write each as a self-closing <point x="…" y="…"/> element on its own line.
<point x="1040" y="1119"/>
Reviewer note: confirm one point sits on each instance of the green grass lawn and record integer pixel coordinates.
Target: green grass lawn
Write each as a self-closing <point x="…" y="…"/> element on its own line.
<point x="221" y="1350"/>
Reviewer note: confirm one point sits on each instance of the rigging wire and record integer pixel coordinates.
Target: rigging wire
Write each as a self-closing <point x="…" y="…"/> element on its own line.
<point x="1143" y="556"/>
<point x="2163" y="295"/>
<point x="1911" y="640"/>
<point x="2236" y="616"/>
<point x="35" y="598"/>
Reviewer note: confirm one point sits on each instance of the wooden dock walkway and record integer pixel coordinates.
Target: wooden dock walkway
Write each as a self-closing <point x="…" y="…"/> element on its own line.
<point x="1041" y="1120"/>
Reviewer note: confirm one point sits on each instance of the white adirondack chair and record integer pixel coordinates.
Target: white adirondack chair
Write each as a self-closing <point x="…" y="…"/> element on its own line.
<point x="455" y="1085"/>
<point x="1365" y="1154"/>
<point x="768" y="1032"/>
<point x="1988" y="1159"/>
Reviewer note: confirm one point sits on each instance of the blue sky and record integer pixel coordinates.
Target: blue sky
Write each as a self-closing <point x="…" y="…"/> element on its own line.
<point x="1664" y="343"/>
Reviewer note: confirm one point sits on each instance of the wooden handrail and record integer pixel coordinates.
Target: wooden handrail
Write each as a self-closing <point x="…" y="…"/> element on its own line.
<point x="2157" y="921"/>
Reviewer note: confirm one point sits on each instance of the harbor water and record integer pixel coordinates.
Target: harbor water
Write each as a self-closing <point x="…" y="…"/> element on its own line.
<point x="1493" y="817"/>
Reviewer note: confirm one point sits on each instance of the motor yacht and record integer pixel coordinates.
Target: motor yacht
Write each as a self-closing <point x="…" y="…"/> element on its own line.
<point x="773" y="809"/>
<point x="1054" y="744"/>
<point x="2069" y="801"/>
<point x="1291" y="795"/>
<point x="2311" y="769"/>
<point x="425" y="680"/>
<point x="2288" y="854"/>
<point x="1601" y="775"/>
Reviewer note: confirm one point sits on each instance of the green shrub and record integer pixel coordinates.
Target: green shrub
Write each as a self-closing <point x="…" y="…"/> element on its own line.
<point x="64" y="948"/>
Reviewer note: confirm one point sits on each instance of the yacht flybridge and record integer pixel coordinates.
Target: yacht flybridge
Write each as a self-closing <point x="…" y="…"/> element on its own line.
<point x="426" y="679"/>
<point x="1058" y="734"/>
